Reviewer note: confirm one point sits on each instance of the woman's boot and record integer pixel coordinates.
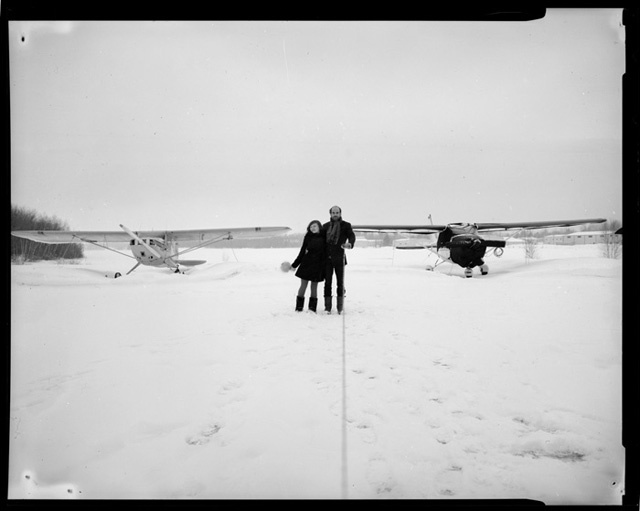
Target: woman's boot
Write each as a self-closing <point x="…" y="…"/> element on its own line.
<point x="313" y="304"/>
<point x="327" y="304"/>
<point x="299" y="303"/>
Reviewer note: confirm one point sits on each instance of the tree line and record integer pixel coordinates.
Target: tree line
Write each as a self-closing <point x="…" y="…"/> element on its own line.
<point x="610" y="226"/>
<point x="25" y="219"/>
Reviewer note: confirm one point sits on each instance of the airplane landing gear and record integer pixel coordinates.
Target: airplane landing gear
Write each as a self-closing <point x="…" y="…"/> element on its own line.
<point x="432" y="267"/>
<point x="484" y="269"/>
<point x="137" y="264"/>
<point x="468" y="272"/>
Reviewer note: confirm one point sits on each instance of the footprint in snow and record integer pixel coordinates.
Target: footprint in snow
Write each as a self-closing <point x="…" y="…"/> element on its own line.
<point x="364" y="426"/>
<point x="566" y="455"/>
<point x="204" y="436"/>
<point x="230" y="386"/>
<point x="365" y="431"/>
<point x="379" y="476"/>
<point x="537" y="425"/>
<point x="189" y="489"/>
<point x="546" y="438"/>
<point x="320" y="383"/>
<point x="449" y="480"/>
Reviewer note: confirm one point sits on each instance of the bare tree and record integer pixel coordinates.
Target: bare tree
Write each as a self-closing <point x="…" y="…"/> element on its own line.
<point x="530" y="245"/>
<point x="612" y="244"/>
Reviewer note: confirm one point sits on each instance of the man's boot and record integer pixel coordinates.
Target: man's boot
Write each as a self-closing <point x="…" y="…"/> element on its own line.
<point x="313" y="304"/>
<point x="327" y="304"/>
<point x="299" y="303"/>
<point x="340" y="304"/>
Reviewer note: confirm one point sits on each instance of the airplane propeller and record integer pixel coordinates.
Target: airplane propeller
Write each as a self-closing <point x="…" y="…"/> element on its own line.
<point x="141" y="241"/>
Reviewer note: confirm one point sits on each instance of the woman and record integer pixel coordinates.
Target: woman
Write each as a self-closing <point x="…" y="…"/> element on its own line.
<point x="311" y="261"/>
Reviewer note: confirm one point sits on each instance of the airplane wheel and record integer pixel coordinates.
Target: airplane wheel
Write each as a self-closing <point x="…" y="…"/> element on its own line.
<point x="117" y="274"/>
<point x="468" y="272"/>
<point x="429" y="268"/>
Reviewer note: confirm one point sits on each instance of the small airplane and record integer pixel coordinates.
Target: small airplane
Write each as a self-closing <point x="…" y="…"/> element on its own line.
<point x="152" y="248"/>
<point x="460" y="243"/>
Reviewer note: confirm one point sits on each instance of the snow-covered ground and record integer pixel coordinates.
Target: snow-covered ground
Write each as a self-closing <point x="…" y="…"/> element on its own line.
<point x="209" y="385"/>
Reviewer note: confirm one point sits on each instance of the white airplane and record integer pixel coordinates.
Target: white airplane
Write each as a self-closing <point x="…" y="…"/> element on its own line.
<point x="459" y="243"/>
<point x="153" y="248"/>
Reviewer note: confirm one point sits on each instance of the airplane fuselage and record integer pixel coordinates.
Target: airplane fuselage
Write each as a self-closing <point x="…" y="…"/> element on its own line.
<point x="156" y="252"/>
<point x="460" y="244"/>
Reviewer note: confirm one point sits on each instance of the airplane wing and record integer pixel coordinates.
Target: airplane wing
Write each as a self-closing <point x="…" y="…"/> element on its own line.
<point x="432" y="229"/>
<point x="413" y="244"/>
<point x="485" y="227"/>
<point x="237" y="232"/>
<point x="73" y="236"/>
<point x="122" y="236"/>
<point x="409" y="229"/>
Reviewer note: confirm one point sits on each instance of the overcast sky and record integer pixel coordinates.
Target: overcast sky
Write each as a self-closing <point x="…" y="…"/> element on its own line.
<point x="201" y="124"/>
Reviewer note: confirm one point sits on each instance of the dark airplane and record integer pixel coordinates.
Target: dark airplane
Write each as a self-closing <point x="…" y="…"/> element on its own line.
<point x="460" y="243"/>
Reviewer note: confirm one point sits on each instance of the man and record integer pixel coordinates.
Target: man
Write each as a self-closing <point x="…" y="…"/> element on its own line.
<point x="339" y="236"/>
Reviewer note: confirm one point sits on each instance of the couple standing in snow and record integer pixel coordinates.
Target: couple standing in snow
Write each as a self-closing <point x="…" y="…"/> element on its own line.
<point x="321" y="255"/>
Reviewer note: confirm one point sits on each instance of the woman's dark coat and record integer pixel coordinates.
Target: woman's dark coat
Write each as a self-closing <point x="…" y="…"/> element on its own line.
<point x="312" y="258"/>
